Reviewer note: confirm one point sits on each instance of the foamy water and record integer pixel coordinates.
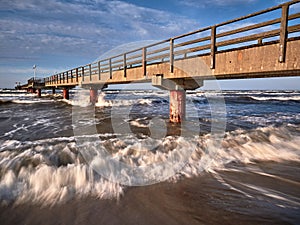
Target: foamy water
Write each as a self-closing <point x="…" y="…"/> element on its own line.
<point x="43" y="160"/>
<point x="52" y="170"/>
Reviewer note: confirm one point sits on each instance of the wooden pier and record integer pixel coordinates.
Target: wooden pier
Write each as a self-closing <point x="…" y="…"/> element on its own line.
<point x="268" y="48"/>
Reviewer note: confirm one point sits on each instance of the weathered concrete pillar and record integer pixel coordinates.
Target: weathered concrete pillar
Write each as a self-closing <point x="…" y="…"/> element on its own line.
<point x="39" y="92"/>
<point x="177" y="106"/>
<point x="53" y="91"/>
<point x="93" y="95"/>
<point x="177" y="89"/>
<point x="66" y="93"/>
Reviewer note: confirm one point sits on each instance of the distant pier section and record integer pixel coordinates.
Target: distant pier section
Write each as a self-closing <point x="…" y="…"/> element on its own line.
<point x="233" y="49"/>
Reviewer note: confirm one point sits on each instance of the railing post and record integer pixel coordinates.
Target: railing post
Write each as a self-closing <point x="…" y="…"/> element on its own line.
<point x="110" y="69"/>
<point x="171" y="55"/>
<point x="82" y="73"/>
<point x="90" y="71"/>
<point x="125" y="65"/>
<point x="76" y="75"/>
<point x="144" y="61"/>
<point x="71" y="75"/>
<point x="213" y="47"/>
<point x="99" y="71"/>
<point x="283" y="32"/>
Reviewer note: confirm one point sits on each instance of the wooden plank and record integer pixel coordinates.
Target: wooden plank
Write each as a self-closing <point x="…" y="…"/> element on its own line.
<point x="213" y="47"/>
<point x="110" y="68"/>
<point x="192" y="33"/>
<point x="268" y="34"/>
<point x="144" y="61"/>
<point x="247" y="28"/>
<point x="76" y="75"/>
<point x="248" y="16"/>
<point x="158" y="57"/>
<point x="90" y="71"/>
<point x="191" y="50"/>
<point x="283" y="32"/>
<point x="124" y="65"/>
<point x="192" y="42"/>
<point x="253" y="37"/>
<point x="82" y="73"/>
<point x="140" y="55"/>
<point x="256" y="26"/>
<point x="171" y="55"/>
<point x="158" y="50"/>
<point x="99" y="70"/>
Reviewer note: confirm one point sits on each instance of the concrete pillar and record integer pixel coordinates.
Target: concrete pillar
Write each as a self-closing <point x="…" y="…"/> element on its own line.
<point x="66" y="93"/>
<point x="177" y="106"/>
<point x="177" y="89"/>
<point x="53" y="91"/>
<point x="39" y="92"/>
<point x="93" y="95"/>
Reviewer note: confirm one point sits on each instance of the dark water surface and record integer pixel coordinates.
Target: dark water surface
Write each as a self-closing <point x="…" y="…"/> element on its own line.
<point x="250" y="177"/>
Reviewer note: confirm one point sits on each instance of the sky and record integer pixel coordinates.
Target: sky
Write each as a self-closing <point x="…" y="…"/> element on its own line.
<point x="57" y="35"/>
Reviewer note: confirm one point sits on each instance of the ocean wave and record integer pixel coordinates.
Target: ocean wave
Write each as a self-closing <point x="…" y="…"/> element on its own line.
<point x="52" y="171"/>
<point x="25" y="101"/>
<point x="5" y="101"/>
<point x="276" y="98"/>
<point x="83" y="100"/>
<point x="103" y="102"/>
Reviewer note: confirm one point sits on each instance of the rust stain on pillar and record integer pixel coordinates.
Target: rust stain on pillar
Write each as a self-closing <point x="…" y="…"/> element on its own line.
<point x="93" y="95"/>
<point x="177" y="106"/>
<point x="66" y="93"/>
<point x="39" y="92"/>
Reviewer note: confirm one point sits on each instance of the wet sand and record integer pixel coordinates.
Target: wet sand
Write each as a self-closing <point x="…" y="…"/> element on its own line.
<point x="200" y="200"/>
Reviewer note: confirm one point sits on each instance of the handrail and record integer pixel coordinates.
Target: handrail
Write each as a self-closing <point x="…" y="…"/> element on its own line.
<point x="197" y="42"/>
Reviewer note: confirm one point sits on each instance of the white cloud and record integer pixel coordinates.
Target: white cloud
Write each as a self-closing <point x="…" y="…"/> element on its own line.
<point x="84" y="26"/>
<point x="60" y="32"/>
<point x="204" y="3"/>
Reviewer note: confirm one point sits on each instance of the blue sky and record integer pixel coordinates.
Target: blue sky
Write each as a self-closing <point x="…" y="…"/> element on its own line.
<point x="61" y="34"/>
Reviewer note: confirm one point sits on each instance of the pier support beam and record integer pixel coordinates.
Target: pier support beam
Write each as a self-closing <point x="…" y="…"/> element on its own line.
<point x="53" y="91"/>
<point x="177" y="89"/>
<point x="66" y="93"/>
<point x="32" y="90"/>
<point x="93" y="95"/>
<point x="39" y="92"/>
<point x="177" y="106"/>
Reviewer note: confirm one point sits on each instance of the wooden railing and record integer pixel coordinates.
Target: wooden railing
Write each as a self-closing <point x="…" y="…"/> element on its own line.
<point x="209" y="40"/>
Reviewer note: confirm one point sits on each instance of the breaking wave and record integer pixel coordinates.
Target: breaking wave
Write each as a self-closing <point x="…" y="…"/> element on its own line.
<point x="53" y="171"/>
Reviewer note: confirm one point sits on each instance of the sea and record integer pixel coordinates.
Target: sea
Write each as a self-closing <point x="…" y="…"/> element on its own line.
<point x="234" y="160"/>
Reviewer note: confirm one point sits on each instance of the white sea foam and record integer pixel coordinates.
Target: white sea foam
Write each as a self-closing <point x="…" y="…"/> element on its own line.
<point x="103" y="102"/>
<point x="277" y="98"/>
<point x="137" y="123"/>
<point x="51" y="171"/>
<point x="31" y="101"/>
